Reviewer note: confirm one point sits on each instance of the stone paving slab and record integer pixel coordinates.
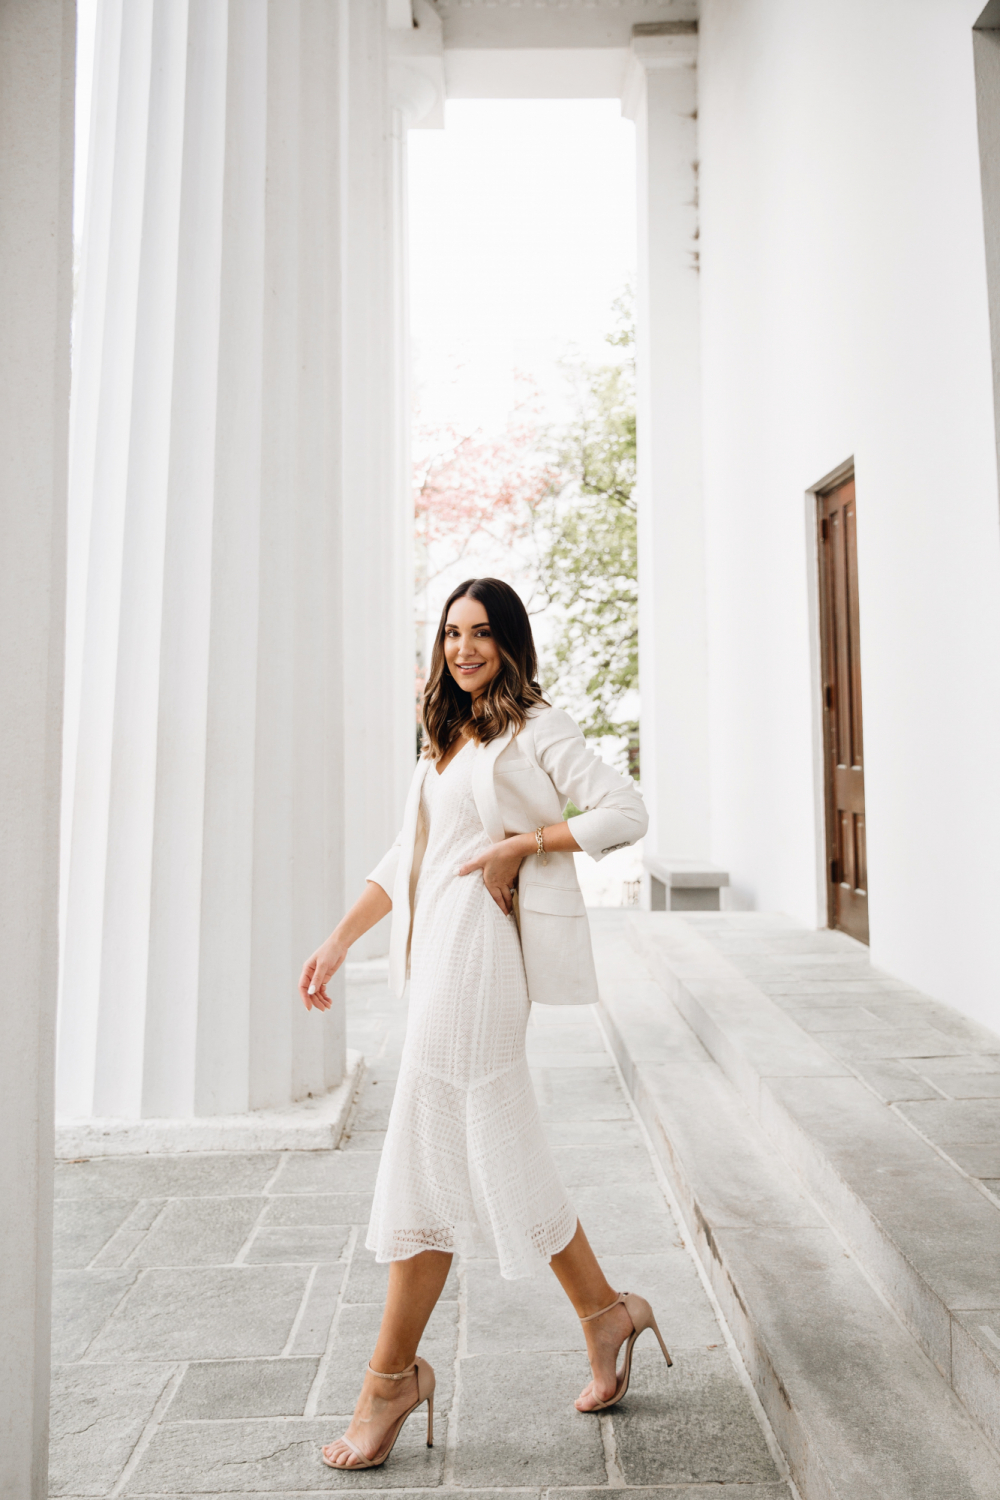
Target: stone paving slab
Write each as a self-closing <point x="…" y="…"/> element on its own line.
<point x="269" y="1456"/>
<point x="893" y="1082"/>
<point x="312" y="1333"/>
<point x="957" y="1122"/>
<point x="222" y="1374"/>
<point x="197" y="1231"/>
<point x="517" y="1419"/>
<point x="224" y="1174"/>
<point x="679" y="1492"/>
<point x="965" y="1085"/>
<point x="779" y="1491"/>
<point x="567" y="1094"/>
<point x="130" y="1233"/>
<point x="320" y="1208"/>
<point x="284" y="1245"/>
<point x="83" y="1226"/>
<point x="624" y="1219"/>
<point x="896" y="1041"/>
<point x="216" y="1390"/>
<point x="670" y="1492"/>
<point x="98" y="1414"/>
<point x="204" y="1313"/>
<point x="672" y="1420"/>
<point x="982" y="1162"/>
<point x="326" y="1172"/>
<point x="82" y="1302"/>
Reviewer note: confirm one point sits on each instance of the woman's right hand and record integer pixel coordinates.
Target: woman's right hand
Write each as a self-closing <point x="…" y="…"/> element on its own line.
<point x="371" y="906"/>
<point x="318" y="969"/>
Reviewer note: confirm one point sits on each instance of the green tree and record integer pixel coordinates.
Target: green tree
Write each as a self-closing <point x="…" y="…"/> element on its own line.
<point x="589" y="564"/>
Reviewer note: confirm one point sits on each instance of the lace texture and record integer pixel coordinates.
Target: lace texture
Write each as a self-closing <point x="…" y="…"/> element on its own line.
<point x="465" y="1162"/>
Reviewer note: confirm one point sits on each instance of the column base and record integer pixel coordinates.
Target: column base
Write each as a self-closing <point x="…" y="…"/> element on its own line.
<point x="311" y="1125"/>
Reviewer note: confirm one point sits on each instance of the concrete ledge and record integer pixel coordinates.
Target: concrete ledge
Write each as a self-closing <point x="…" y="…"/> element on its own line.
<point x="857" y="1408"/>
<point x="924" y="1233"/>
<point x="311" y="1125"/>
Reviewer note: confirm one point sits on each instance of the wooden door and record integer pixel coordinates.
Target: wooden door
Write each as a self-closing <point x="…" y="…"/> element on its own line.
<point x="847" y="861"/>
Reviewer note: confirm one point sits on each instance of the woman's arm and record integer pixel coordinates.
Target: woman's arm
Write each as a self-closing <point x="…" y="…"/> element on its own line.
<point x="369" y="908"/>
<point x="501" y="862"/>
<point x="614" y="814"/>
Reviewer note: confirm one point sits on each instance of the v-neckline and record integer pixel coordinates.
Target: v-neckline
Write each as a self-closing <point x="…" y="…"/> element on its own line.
<point x="448" y="767"/>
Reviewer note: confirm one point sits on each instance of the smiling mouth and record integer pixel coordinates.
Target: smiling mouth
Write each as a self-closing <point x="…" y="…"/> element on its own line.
<point x="474" y="667"/>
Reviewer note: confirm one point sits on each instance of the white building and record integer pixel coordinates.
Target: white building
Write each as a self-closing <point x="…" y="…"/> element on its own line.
<point x="819" y="208"/>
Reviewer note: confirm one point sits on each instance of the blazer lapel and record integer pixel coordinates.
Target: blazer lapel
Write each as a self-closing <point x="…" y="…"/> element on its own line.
<point x="411" y="814"/>
<point x="483" y="790"/>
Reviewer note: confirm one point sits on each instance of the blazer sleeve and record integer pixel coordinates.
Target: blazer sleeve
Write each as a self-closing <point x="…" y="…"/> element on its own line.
<point x="384" y="873"/>
<point x="613" y="813"/>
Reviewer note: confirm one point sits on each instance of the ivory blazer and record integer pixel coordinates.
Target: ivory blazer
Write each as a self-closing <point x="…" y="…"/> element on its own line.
<point x="520" y="782"/>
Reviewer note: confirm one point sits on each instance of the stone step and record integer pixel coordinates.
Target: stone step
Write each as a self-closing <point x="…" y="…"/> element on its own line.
<point x="858" y="1408"/>
<point x="924" y="1231"/>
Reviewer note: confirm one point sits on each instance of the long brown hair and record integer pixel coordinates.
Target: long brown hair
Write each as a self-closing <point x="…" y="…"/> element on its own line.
<point x="448" y="708"/>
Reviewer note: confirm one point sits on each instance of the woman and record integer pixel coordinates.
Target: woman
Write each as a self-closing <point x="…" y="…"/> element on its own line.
<point x="488" y="914"/>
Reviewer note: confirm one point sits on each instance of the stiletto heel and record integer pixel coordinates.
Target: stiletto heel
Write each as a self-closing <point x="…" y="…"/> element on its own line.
<point x="641" y="1314"/>
<point x="659" y="1335"/>
<point x="425" y="1392"/>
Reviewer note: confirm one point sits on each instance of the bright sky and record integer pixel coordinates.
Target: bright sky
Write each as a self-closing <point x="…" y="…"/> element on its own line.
<point x="522" y="234"/>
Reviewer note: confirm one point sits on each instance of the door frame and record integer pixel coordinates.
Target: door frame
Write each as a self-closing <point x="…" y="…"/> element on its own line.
<point x="829" y="481"/>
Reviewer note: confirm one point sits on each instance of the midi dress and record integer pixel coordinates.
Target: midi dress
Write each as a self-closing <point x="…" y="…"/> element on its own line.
<point x="465" y="1166"/>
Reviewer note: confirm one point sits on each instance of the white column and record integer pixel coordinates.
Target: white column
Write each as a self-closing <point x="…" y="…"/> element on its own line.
<point x="37" y="55"/>
<point x="661" y="96"/>
<point x="379" y="637"/>
<point x="229" y="453"/>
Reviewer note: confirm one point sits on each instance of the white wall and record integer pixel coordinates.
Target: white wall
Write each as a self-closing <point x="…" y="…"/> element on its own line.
<point x="845" y="311"/>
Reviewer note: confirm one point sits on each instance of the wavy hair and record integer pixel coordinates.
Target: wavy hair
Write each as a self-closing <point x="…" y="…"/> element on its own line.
<point x="448" y="708"/>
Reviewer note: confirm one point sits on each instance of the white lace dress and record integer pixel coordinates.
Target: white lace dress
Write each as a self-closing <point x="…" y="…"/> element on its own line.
<point x="465" y="1161"/>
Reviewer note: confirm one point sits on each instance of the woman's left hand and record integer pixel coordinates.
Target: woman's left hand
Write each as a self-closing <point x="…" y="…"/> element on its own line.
<point x="500" y="864"/>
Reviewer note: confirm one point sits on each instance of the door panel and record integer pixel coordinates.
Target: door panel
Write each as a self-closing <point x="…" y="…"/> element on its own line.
<point x="843" y="735"/>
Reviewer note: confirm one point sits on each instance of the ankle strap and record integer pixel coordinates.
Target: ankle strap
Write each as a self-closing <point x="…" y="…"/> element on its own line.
<point x="590" y="1318"/>
<point x="401" y="1376"/>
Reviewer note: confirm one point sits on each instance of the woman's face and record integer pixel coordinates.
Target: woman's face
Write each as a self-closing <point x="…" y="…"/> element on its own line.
<point x="470" y="651"/>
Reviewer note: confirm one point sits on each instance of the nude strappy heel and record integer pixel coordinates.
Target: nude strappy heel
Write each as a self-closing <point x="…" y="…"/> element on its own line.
<point x="641" y="1314"/>
<point x="425" y="1392"/>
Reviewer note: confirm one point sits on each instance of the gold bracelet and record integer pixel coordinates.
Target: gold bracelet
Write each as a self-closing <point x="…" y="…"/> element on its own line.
<point x="540" y="845"/>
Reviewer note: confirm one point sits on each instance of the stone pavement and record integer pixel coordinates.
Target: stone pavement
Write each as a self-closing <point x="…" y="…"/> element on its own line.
<point x="213" y="1315"/>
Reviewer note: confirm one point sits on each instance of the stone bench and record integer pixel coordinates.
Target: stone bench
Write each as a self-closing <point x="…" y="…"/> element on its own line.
<point x="682" y="884"/>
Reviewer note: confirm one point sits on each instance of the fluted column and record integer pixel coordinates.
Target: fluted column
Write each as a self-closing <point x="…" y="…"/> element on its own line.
<point x="231" y="530"/>
<point x="661" y="96"/>
<point x="379" y="741"/>
<point x="36" y="257"/>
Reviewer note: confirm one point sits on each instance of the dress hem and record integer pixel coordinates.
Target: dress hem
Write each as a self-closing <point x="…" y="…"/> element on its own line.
<point x="542" y="1257"/>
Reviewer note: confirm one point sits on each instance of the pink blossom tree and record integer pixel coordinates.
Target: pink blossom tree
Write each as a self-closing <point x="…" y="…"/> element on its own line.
<point x="478" y="496"/>
<point x="471" y="488"/>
